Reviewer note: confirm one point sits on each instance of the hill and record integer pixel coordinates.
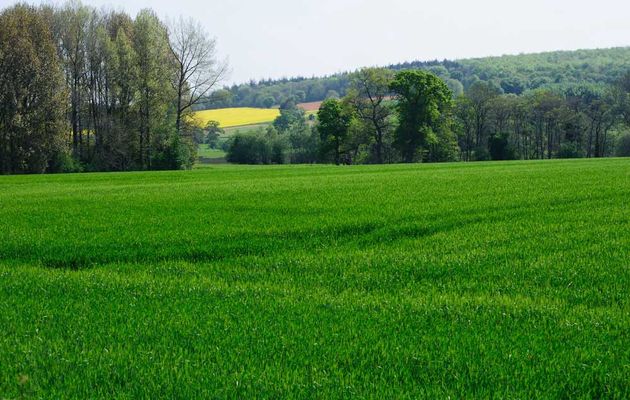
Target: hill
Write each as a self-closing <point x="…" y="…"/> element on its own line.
<point x="486" y="280"/>
<point x="512" y="73"/>
<point x="235" y="117"/>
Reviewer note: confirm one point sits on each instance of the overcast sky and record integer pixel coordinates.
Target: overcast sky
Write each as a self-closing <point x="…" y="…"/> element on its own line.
<point x="276" y="38"/>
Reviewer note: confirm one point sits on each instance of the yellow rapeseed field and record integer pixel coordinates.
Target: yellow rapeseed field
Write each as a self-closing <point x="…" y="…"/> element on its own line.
<point x="230" y="117"/>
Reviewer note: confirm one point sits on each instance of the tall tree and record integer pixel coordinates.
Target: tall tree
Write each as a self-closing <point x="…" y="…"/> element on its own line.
<point x="465" y="118"/>
<point x="32" y="94"/>
<point x="481" y="95"/>
<point x="369" y="90"/>
<point x="422" y="102"/>
<point x="71" y="27"/>
<point x="197" y="69"/>
<point x="155" y="67"/>
<point x="334" y="123"/>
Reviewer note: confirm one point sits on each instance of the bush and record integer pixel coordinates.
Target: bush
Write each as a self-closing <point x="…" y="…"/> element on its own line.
<point x="481" y="153"/>
<point x="569" y="150"/>
<point x="63" y="161"/>
<point x="177" y="153"/>
<point x="261" y="147"/>
<point x="248" y="149"/>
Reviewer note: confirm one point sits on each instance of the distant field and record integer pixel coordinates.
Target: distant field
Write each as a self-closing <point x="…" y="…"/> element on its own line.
<point x="312" y="106"/>
<point x="232" y="117"/>
<point x="207" y="154"/>
<point x="245" y="128"/>
<point x="487" y="280"/>
<point x="247" y="117"/>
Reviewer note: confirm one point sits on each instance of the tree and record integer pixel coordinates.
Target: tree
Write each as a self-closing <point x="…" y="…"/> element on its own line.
<point x="213" y="133"/>
<point x="304" y="143"/>
<point x="32" y="94"/>
<point x="546" y="110"/>
<point x="623" y="146"/>
<point x="71" y="23"/>
<point x="155" y="67"/>
<point x="465" y="119"/>
<point x="423" y="100"/>
<point x="268" y="102"/>
<point x="290" y="116"/>
<point x="197" y="69"/>
<point x="369" y="90"/>
<point x="481" y="95"/>
<point x="334" y="123"/>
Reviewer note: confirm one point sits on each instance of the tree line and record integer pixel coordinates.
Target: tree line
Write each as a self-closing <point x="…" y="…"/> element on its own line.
<point x="87" y="89"/>
<point x="514" y="74"/>
<point x="414" y="116"/>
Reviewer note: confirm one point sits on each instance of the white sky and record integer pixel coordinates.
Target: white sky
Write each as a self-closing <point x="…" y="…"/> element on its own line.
<point x="275" y="38"/>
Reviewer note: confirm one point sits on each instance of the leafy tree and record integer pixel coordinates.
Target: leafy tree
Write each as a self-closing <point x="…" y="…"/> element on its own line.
<point x="333" y="125"/>
<point x="290" y="115"/>
<point x="481" y="94"/>
<point x="154" y="92"/>
<point x="442" y="146"/>
<point x="260" y="147"/>
<point x="248" y="148"/>
<point x="368" y="94"/>
<point x="269" y="101"/>
<point x="70" y="28"/>
<point x="465" y="120"/>
<point x="213" y="134"/>
<point x="304" y="143"/>
<point x="32" y="95"/>
<point x="422" y="101"/>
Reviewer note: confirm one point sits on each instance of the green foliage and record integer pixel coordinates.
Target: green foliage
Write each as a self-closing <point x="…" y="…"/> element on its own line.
<point x="32" y="125"/>
<point x="304" y="144"/>
<point x="249" y="148"/>
<point x="623" y="146"/>
<point x="119" y="76"/>
<point x="494" y="280"/>
<point x="422" y="101"/>
<point x="258" y="147"/>
<point x="269" y="101"/>
<point x="368" y="96"/>
<point x="213" y="134"/>
<point x="290" y="115"/>
<point x="334" y="121"/>
<point x="175" y="153"/>
<point x="442" y="147"/>
<point x="515" y="74"/>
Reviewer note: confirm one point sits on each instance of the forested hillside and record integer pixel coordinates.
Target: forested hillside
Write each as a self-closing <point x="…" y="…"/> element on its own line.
<point x="513" y="74"/>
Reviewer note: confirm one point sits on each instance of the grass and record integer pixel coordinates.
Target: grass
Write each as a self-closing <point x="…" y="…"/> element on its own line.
<point x="206" y="152"/>
<point x="503" y="280"/>
<point x="245" y="129"/>
<point x="233" y="117"/>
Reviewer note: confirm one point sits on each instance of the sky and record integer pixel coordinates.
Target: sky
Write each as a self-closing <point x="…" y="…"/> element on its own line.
<point x="286" y="38"/>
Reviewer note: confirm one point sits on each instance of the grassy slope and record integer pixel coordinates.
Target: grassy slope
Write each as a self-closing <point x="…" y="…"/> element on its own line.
<point x="205" y="151"/>
<point x="398" y="281"/>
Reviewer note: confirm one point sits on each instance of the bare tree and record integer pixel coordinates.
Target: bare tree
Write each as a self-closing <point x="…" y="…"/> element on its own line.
<point x="198" y="70"/>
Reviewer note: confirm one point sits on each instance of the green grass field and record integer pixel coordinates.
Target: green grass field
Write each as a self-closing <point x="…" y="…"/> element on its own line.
<point x="205" y="151"/>
<point x="504" y="280"/>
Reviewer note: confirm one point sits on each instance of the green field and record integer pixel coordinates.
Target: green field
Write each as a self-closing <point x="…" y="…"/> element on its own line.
<point x="206" y="152"/>
<point x="508" y="280"/>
